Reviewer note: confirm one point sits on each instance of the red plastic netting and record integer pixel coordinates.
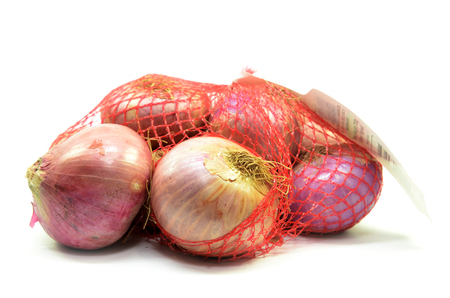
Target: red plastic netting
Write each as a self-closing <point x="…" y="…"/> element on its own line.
<point x="320" y="182"/>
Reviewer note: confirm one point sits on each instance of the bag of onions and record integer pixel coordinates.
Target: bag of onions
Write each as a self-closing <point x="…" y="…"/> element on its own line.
<point x="239" y="168"/>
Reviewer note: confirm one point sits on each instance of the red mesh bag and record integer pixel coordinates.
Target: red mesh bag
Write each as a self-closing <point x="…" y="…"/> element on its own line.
<point x="298" y="175"/>
<point x="164" y="109"/>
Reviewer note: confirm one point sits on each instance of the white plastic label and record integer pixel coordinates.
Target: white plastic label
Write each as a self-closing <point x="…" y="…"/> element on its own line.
<point x="350" y="125"/>
<point x="346" y="122"/>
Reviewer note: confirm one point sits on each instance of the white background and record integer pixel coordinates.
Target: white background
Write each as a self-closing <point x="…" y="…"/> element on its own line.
<point x="388" y="61"/>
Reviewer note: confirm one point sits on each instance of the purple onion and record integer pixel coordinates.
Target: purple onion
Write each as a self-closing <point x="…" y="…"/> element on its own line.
<point x="334" y="191"/>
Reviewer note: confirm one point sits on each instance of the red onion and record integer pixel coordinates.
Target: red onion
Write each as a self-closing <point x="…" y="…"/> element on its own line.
<point x="209" y="195"/>
<point x="334" y="191"/>
<point x="253" y="117"/>
<point x="162" y="108"/>
<point x="88" y="189"/>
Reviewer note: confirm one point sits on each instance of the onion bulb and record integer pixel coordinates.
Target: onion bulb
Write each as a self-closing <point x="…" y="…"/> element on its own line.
<point x="257" y="120"/>
<point x="162" y="108"/>
<point x="334" y="190"/>
<point x="88" y="189"/>
<point x="209" y="195"/>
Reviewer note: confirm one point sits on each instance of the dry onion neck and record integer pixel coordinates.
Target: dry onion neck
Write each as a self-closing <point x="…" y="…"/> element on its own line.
<point x="249" y="166"/>
<point x="164" y="88"/>
<point x="232" y="165"/>
<point x="313" y="155"/>
<point x="34" y="177"/>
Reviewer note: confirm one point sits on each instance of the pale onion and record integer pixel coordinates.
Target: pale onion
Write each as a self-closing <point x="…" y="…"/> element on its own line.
<point x="258" y="119"/>
<point x="88" y="189"/>
<point x="209" y="196"/>
<point x="158" y="107"/>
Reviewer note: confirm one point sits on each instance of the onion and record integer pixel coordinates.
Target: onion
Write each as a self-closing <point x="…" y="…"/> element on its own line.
<point x="162" y="108"/>
<point x="209" y="196"/>
<point x="88" y="189"/>
<point x="258" y="120"/>
<point x="334" y="191"/>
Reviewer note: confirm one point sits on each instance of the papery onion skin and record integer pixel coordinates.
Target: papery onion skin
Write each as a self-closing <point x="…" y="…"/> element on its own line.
<point x="334" y="192"/>
<point x="161" y="108"/>
<point x="88" y="189"/>
<point x="194" y="204"/>
<point x="245" y="118"/>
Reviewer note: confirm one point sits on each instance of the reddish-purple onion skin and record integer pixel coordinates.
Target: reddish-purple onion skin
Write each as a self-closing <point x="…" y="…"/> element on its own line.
<point x="159" y="107"/>
<point x="245" y="119"/>
<point x="88" y="189"/>
<point x="333" y="193"/>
